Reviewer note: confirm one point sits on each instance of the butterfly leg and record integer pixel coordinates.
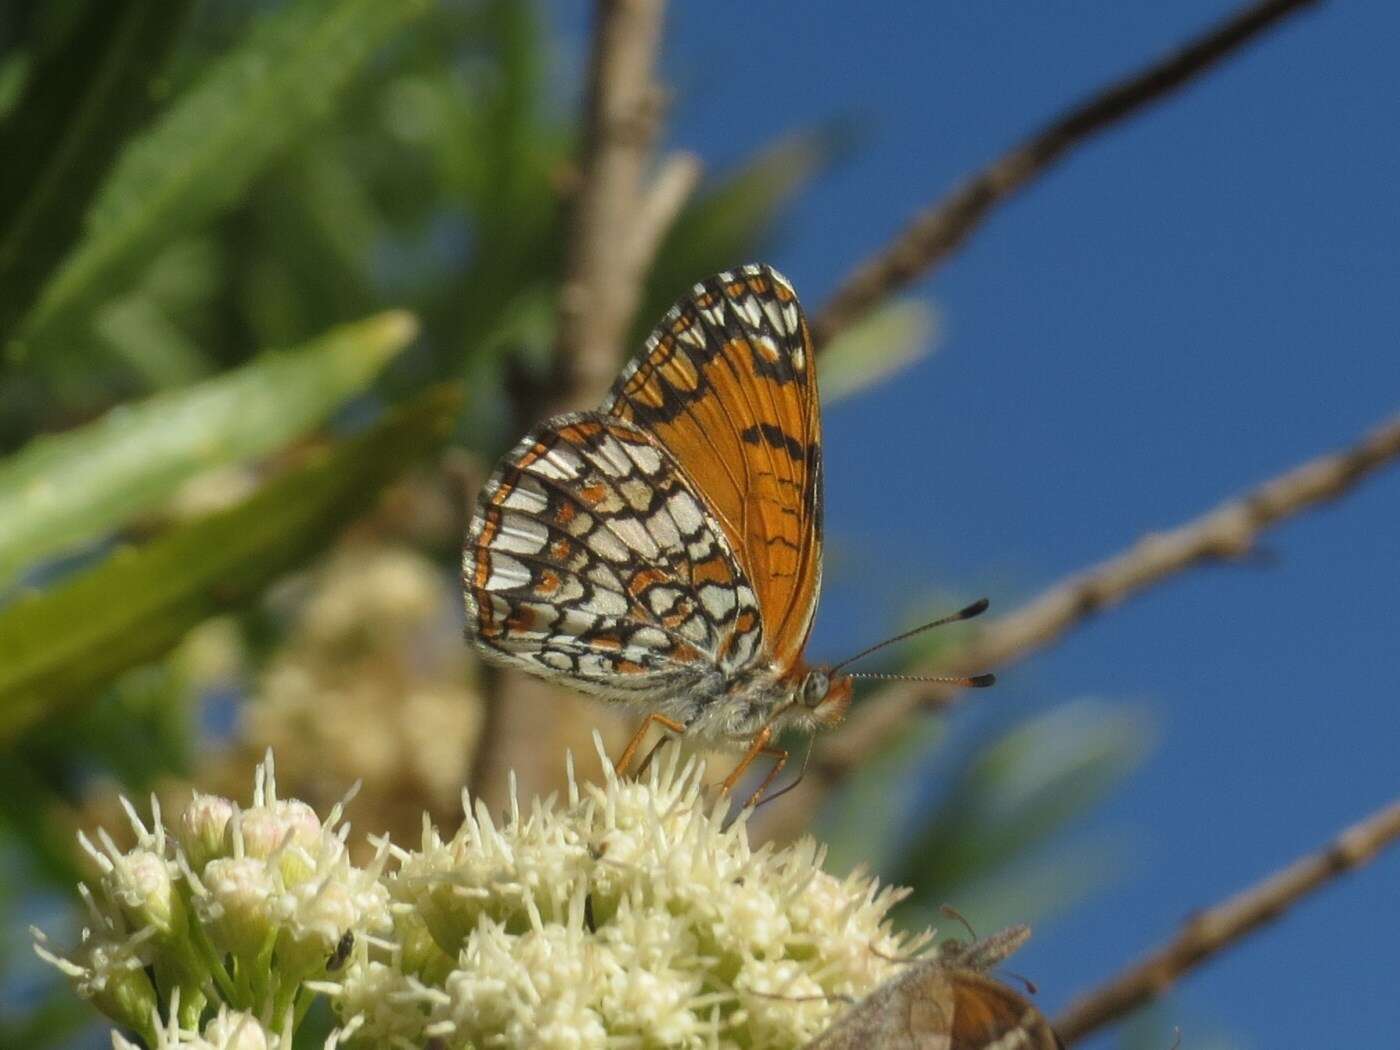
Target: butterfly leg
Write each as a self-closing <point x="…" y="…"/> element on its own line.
<point x="780" y="758"/>
<point x="758" y="747"/>
<point x="625" y="759"/>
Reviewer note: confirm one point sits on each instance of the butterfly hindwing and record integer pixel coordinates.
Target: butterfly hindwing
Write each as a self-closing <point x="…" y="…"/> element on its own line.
<point x="591" y="558"/>
<point x="727" y="384"/>
<point x="934" y="1007"/>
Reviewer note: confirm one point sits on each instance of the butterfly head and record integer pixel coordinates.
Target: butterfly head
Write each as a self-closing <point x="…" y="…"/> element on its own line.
<point x="824" y="697"/>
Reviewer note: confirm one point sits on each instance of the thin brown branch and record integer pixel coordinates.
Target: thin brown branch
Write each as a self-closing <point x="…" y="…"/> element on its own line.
<point x="934" y="234"/>
<point x="1229" y="531"/>
<point x="1217" y="928"/>
<point x="603" y="270"/>
<point x="617" y="221"/>
<point x="676" y="178"/>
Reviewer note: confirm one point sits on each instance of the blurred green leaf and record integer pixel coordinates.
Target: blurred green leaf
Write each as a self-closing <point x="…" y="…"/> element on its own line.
<point x="1030" y="891"/>
<point x="59" y="647"/>
<point x="1016" y="792"/>
<point x="54" y="1021"/>
<point x="78" y="104"/>
<point x="32" y="811"/>
<point x="882" y="343"/>
<point x="67" y="488"/>
<point x="878" y="785"/>
<point x="200" y="157"/>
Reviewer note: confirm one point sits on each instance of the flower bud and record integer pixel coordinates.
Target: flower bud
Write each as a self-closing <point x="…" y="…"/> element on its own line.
<point x="140" y="881"/>
<point x="202" y="827"/>
<point x="238" y="905"/>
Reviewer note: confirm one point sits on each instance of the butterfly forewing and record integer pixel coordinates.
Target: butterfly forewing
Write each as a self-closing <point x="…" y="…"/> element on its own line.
<point x="591" y="558"/>
<point x="727" y="385"/>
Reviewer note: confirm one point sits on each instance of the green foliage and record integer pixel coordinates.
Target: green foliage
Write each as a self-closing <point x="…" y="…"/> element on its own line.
<point x="245" y="112"/>
<point x="70" y="487"/>
<point x="881" y="344"/>
<point x="1017" y="791"/>
<point x="60" y="646"/>
<point x="80" y="98"/>
<point x="976" y="843"/>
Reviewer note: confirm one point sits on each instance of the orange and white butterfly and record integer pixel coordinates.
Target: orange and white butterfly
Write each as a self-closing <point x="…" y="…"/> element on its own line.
<point x="666" y="550"/>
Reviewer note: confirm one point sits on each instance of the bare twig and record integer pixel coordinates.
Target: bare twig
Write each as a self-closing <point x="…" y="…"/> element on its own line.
<point x="616" y="224"/>
<point x="603" y="269"/>
<point x="933" y="234"/>
<point x="1217" y="928"/>
<point x="1228" y="531"/>
<point x="676" y="178"/>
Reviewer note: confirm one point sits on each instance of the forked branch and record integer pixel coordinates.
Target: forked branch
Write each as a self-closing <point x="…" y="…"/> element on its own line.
<point x="1216" y="929"/>
<point x="935" y="234"/>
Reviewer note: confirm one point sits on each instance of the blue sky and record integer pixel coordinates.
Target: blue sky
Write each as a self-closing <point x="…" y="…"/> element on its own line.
<point x="1191" y="304"/>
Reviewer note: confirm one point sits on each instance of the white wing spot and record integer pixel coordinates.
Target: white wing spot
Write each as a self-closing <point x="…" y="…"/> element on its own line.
<point x="662" y="599"/>
<point x="663" y="531"/>
<point x="747" y="308"/>
<point x="558" y="463"/>
<point x="719" y="601"/>
<point x="648" y="460"/>
<point x="520" y="534"/>
<point x="775" y="313"/>
<point x="635" y="536"/>
<point x="650" y="638"/>
<point x="637" y="493"/>
<point x="527" y="495"/>
<point x="606" y="603"/>
<point x="604" y="544"/>
<point x="506" y="572"/>
<point x="686" y="513"/>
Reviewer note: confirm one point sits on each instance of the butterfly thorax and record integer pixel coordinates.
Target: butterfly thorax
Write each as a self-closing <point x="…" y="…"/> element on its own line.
<point x="737" y="707"/>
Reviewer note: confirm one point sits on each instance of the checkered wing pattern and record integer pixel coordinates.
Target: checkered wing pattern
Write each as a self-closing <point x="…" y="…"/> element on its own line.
<point x="592" y="558"/>
<point x="727" y="385"/>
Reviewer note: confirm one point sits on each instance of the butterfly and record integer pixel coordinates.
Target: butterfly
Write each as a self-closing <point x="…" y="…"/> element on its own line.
<point x="945" y="1003"/>
<point x="666" y="550"/>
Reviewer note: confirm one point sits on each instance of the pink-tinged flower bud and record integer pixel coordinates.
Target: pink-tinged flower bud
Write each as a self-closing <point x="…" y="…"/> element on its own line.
<point x="202" y="827"/>
<point x="284" y="823"/>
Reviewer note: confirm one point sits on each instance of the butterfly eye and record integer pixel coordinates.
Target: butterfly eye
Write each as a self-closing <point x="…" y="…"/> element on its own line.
<point x="815" y="688"/>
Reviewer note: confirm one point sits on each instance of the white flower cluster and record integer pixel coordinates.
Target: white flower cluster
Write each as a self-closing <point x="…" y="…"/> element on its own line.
<point x="236" y="908"/>
<point x="627" y="916"/>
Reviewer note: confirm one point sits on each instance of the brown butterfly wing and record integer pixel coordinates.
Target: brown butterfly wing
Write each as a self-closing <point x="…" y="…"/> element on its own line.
<point x="932" y="1007"/>
<point x="986" y="1013"/>
<point x="727" y="385"/>
<point x="913" y="1011"/>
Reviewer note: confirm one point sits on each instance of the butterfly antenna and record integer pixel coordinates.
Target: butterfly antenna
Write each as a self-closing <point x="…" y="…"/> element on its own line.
<point x="949" y="912"/>
<point x="977" y="608"/>
<point x="1031" y="987"/>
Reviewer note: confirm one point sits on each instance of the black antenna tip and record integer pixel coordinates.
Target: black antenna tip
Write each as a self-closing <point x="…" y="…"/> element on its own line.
<point x="981" y="681"/>
<point x="977" y="608"/>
